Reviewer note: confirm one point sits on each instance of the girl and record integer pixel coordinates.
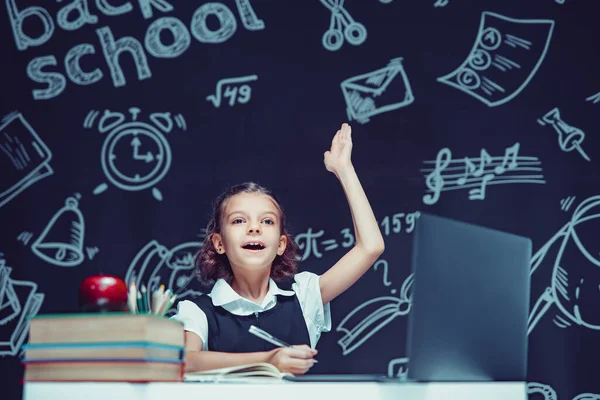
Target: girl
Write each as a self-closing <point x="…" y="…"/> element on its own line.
<point x="247" y="251"/>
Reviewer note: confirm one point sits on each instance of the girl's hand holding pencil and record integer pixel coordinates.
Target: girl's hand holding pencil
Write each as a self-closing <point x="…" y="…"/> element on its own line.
<point x="160" y="300"/>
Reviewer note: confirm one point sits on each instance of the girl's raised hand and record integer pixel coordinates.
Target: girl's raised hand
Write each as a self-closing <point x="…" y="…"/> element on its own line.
<point x="338" y="157"/>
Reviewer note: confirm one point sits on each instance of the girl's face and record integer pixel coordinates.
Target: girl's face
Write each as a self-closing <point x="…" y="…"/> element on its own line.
<point x="250" y="234"/>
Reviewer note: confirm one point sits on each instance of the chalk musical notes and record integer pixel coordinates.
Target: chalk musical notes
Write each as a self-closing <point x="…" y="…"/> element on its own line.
<point x="235" y="89"/>
<point x="434" y="180"/>
<point x="478" y="173"/>
<point x="569" y="137"/>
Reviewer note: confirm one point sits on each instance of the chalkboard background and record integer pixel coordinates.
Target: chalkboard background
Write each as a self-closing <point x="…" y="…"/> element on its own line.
<point x="123" y="121"/>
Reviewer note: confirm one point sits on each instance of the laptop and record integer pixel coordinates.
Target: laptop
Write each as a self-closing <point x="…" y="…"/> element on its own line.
<point x="470" y="306"/>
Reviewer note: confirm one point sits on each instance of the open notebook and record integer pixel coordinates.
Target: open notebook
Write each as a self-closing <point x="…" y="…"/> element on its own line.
<point x="246" y="372"/>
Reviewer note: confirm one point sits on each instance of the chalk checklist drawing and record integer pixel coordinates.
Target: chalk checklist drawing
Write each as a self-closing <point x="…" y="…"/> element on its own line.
<point x="135" y="155"/>
<point x="569" y="137"/>
<point x="505" y="57"/>
<point x="342" y="26"/>
<point x="24" y="157"/>
<point x="19" y="301"/>
<point x="236" y="89"/>
<point x="477" y="173"/>
<point x="575" y="271"/>
<point x="376" y="92"/>
<point x="156" y="264"/>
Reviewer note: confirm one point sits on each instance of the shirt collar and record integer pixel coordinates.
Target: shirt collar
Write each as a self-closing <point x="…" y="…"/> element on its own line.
<point x="222" y="293"/>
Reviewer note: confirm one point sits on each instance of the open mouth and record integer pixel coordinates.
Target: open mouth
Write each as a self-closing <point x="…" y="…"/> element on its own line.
<point x="254" y="246"/>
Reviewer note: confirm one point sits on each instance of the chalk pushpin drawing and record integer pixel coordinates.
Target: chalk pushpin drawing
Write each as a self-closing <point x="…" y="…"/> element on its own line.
<point x="569" y="137"/>
<point x="505" y="57"/>
<point x="136" y="154"/>
<point x="342" y="26"/>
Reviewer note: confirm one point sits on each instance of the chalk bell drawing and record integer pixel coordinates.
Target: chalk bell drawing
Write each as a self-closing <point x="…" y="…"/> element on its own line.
<point x="61" y="241"/>
<point x="19" y="301"/>
<point x="155" y="264"/>
<point x="24" y="158"/>
<point x="505" y="57"/>
<point x="136" y="154"/>
<point x="376" y="92"/>
<point x="341" y="26"/>
<point x="575" y="271"/>
<point x="569" y="137"/>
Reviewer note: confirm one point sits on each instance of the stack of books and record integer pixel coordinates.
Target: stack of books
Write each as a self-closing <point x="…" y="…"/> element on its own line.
<point x="105" y="347"/>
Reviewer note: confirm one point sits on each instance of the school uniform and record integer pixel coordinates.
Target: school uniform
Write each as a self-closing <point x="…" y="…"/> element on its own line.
<point x="293" y="313"/>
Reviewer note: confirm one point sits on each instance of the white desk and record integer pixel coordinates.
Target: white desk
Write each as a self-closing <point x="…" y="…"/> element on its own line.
<point x="277" y="390"/>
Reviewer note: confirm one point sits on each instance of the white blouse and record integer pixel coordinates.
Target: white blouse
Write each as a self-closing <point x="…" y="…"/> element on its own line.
<point x="306" y="287"/>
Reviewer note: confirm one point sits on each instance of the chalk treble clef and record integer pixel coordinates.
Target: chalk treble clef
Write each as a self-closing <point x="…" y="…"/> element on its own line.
<point x="434" y="180"/>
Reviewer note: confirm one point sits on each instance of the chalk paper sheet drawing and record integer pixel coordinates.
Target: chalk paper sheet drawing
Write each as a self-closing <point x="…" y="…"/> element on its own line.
<point x="155" y="264"/>
<point x="505" y="57"/>
<point x="24" y="158"/>
<point x="575" y="271"/>
<point x="62" y="240"/>
<point x="372" y="316"/>
<point x="372" y="93"/>
<point x="19" y="301"/>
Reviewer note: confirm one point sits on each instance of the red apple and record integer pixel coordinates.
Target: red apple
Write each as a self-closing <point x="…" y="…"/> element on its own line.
<point x="103" y="293"/>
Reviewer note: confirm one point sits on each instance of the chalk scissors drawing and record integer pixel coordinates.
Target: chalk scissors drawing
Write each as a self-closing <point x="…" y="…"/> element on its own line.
<point x="478" y="173"/>
<point x="575" y="277"/>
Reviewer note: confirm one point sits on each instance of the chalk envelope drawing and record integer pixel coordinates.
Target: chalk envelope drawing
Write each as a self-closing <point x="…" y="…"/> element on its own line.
<point x="24" y="158"/>
<point x="575" y="271"/>
<point x="376" y="92"/>
<point x="373" y="315"/>
<point x="505" y="57"/>
<point x="19" y="301"/>
<point x="155" y="264"/>
<point x="61" y="241"/>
